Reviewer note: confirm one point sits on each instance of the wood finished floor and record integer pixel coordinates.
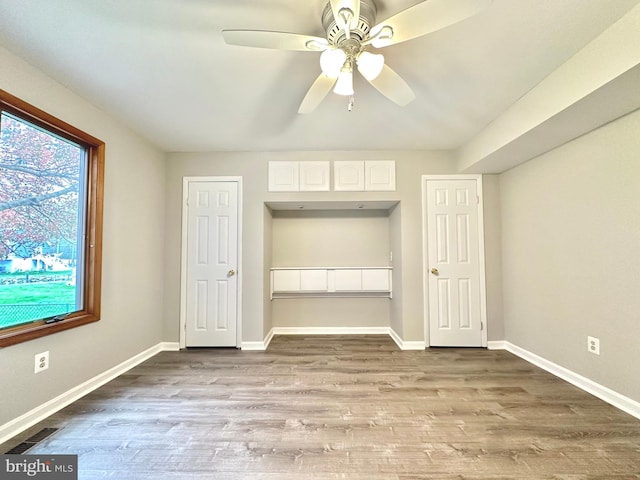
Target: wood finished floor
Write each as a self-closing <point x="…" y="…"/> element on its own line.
<point x="343" y="408"/>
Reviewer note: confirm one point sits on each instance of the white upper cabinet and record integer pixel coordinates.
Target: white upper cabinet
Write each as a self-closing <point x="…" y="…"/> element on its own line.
<point x="314" y="176"/>
<point x="284" y="177"/>
<point x="380" y="176"/>
<point x="361" y="176"/>
<point x="299" y="176"/>
<point x="348" y="176"/>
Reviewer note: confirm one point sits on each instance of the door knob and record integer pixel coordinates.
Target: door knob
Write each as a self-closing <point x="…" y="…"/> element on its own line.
<point x="231" y="273"/>
<point x="435" y="271"/>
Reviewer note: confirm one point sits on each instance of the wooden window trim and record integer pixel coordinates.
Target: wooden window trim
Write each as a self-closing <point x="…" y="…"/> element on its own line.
<point x="93" y="223"/>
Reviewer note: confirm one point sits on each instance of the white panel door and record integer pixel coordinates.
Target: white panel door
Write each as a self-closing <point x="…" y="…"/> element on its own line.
<point x="212" y="256"/>
<point x="455" y="315"/>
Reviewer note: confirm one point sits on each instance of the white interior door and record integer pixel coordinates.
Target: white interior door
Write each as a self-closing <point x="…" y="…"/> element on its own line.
<point x="211" y="264"/>
<point x="455" y="277"/>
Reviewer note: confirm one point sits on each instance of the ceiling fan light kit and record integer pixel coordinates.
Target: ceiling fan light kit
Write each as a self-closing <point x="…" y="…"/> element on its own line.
<point x="351" y="29"/>
<point x="370" y="65"/>
<point x="344" y="85"/>
<point x="331" y="62"/>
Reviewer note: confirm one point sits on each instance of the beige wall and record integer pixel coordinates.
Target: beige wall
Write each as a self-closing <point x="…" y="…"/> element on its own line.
<point x="571" y="254"/>
<point x="405" y="223"/>
<point x="331" y="312"/>
<point x="132" y="289"/>
<point x="395" y="245"/>
<point x="493" y="256"/>
<point x="326" y="238"/>
<point x="266" y="277"/>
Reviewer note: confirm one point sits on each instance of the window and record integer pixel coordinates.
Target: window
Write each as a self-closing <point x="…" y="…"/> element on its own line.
<point x="51" y="187"/>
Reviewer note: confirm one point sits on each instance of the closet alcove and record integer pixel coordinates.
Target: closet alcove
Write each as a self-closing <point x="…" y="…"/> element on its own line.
<point x="330" y="265"/>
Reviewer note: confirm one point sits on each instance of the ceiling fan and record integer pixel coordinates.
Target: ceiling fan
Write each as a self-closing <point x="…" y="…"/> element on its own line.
<point x="351" y="31"/>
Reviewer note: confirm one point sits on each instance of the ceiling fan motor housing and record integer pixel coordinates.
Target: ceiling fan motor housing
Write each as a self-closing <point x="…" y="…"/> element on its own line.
<point x="337" y="35"/>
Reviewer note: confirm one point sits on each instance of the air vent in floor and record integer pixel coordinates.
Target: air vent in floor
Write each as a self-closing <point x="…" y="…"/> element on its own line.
<point x="32" y="441"/>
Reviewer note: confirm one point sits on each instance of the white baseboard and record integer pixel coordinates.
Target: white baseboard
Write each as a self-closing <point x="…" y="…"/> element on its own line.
<point x="331" y="330"/>
<point x="169" y="346"/>
<point x="268" y="338"/>
<point x="406" y="345"/>
<point x="496" y="345"/>
<point x="253" y="346"/>
<point x="20" y="424"/>
<point x="603" y="393"/>
<point x="258" y="346"/>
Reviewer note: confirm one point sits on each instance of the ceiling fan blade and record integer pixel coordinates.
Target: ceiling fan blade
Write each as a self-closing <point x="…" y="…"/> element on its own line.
<point x="392" y="86"/>
<point x="320" y="89"/>
<point x="353" y="5"/>
<point x="426" y="17"/>
<point x="275" y="40"/>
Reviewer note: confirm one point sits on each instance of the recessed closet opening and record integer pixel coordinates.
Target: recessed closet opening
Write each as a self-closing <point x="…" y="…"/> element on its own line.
<point x="331" y="267"/>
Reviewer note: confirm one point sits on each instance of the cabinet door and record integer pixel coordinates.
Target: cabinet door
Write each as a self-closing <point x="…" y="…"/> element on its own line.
<point x="348" y="280"/>
<point x="313" y="280"/>
<point x="283" y="177"/>
<point x="286" y="280"/>
<point x="375" y="280"/>
<point x="348" y="176"/>
<point x="314" y="176"/>
<point x="380" y="176"/>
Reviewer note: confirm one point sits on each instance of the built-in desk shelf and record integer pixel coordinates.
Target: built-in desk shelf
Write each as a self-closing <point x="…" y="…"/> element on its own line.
<point x="331" y="282"/>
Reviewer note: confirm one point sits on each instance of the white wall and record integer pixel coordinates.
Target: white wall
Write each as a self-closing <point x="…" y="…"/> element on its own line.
<point x="132" y="255"/>
<point x="571" y="254"/>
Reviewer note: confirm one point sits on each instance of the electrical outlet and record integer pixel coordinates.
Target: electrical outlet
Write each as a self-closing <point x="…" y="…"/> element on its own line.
<point x="593" y="345"/>
<point x="41" y="362"/>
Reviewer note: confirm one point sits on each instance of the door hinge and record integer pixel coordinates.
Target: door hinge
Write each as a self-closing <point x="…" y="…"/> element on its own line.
<point x="481" y="326"/>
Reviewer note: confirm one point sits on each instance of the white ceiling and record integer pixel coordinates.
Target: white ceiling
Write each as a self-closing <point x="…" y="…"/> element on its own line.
<point x="162" y="68"/>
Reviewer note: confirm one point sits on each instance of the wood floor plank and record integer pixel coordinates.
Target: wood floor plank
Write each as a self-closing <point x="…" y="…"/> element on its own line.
<point x="327" y="407"/>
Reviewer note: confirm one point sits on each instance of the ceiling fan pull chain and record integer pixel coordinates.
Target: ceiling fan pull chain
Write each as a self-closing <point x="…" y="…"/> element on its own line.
<point x="352" y="101"/>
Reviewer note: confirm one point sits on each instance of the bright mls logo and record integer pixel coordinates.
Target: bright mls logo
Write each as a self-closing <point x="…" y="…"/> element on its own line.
<point x="51" y="467"/>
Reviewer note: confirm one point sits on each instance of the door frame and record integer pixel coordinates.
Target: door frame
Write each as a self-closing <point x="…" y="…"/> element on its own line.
<point x="481" y="259"/>
<point x="183" y="255"/>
